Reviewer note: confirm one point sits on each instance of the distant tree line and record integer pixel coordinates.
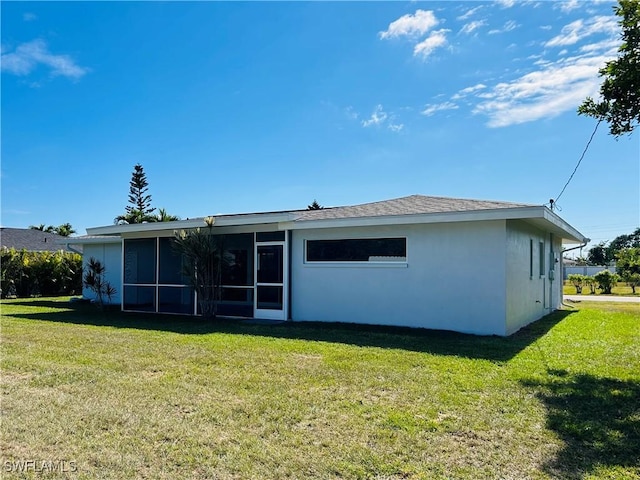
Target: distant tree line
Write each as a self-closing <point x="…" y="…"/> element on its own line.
<point x="625" y="251"/>
<point x="606" y="252"/>
<point x="64" y="230"/>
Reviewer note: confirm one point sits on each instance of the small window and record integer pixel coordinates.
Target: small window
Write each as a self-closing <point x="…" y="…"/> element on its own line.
<point x="541" y="258"/>
<point x="531" y="258"/>
<point x="357" y="250"/>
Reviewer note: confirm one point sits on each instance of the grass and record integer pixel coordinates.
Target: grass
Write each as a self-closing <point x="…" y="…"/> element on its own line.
<point x="163" y="397"/>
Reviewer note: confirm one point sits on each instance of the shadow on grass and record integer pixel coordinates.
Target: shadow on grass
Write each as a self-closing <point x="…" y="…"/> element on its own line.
<point x="597" y="418"/>
<point x="498" y="349"/>
<point x="40" y="303"/>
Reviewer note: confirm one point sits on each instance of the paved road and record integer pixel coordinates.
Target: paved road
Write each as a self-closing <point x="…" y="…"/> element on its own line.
<point x="601" y="298"/>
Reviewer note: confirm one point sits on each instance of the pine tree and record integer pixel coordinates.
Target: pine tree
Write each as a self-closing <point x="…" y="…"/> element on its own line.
<point x="315" y="206"/>
<point x="138" y="187"/>
<point x="140" y="209"/>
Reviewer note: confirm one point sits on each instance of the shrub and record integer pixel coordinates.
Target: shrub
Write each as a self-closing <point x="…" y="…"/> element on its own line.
<point x="633" y="280"/>
<point x="94" y="280"/>
<point x="606" y="281"/>
<point x="591" y="283"/>
<point x="577" y="281"/>
<point x="25" y="274"/>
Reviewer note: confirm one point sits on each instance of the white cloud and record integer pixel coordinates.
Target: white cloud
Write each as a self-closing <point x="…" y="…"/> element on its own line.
<point x="416" y="26"/>
<point x="378" y="117"/>
<point x="435" y="40"/>
<point x="28" y="56"/>
<point x="567" y="6"/>
<point x="469" y="13"/>
<point x="507" y="27"/>
<point x="411" y="25"/>
<point x="467" y="91"/>
<point x="556" y="88"/>
<point x="438" y="107"/>
<point x="611" y="44"/>
<point x="471" y="26"/>
<point x="29" y="17"/>
<point x="506" y="3"/>
<point x="580" y="29"/>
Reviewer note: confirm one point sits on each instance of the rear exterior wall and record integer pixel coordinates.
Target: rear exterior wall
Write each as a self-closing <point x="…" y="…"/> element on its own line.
<point x="110" y="255"/>
<point x="453" y="279"/>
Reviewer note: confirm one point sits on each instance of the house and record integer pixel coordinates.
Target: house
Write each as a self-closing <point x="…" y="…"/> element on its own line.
<point x="30" y="240"/>
<point x="473" y="266"/>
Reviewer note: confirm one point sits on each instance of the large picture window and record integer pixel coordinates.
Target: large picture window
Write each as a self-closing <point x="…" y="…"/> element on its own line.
<point x="357" y="250"/>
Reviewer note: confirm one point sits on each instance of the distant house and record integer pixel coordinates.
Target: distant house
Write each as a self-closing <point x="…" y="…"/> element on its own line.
<point x="474" y="266"/>
<point x="31" y="240"/>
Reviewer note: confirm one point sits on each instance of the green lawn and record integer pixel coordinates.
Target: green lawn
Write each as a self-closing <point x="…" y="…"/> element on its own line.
<point x="166" y="397"/>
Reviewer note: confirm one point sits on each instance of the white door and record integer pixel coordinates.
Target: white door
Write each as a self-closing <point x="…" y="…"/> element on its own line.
<point x="271" y="273"/>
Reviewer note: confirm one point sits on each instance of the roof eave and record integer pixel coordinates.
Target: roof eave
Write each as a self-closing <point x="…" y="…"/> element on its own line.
<point x="544" y="216"/>
<point x="221" y="221"/>
<point x="90" y="240"/>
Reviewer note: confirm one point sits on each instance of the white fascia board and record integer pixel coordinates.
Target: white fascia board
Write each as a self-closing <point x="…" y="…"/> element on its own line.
<point x="540" y="213"/>
<point x="144" y="227"/>
<point x="571" y="234"/>
<point x="89" y="240"/>
<point x="222" y="221"/>
<point x="446" y="217"/>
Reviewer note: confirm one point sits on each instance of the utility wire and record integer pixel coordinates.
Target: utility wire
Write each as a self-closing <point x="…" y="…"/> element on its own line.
<point x="578" y="164"/>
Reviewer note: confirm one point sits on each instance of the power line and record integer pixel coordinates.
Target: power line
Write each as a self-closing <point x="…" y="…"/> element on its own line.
<point x="553" y="202"/>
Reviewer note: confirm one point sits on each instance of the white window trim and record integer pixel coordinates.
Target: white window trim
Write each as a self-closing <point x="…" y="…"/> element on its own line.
<point x="353" y="263"/>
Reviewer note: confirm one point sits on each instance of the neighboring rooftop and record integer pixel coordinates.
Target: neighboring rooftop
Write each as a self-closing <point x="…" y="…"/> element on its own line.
<point x="30" y="240"/>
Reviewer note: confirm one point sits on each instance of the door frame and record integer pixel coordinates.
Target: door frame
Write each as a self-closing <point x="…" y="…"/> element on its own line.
<point x="269" y="314"/>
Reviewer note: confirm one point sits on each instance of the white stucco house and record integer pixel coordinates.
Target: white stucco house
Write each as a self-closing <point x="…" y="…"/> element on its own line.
<point x="472" y="266"/>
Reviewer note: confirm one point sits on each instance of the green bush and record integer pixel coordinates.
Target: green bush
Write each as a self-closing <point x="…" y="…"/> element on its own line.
<point x="577" y="281"/>
<point x="591" y="283"/>
<point x="28" y="274"/>
<point x="606" y="281"/>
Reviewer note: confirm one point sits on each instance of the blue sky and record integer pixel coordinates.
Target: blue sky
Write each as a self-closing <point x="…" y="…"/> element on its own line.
<point x="241" y="107"/>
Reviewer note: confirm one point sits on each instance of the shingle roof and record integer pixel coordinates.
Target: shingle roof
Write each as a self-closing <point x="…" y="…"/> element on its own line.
<point x="30" y="240"/>
<point x="411" y="205"/>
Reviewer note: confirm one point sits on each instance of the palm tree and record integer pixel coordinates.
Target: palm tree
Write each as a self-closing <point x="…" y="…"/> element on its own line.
<point x="65" y="230"/>
<point x="163" y="216"/>
<point x="134" y="216"/>
<point x="42" y="228"/>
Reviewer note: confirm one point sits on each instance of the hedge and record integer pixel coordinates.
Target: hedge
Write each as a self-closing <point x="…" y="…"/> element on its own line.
<point x="31" y="274"/>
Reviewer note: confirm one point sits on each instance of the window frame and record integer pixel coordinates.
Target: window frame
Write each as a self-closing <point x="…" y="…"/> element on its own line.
<point x="531" y="258"/>
<point x="401" y="262"/>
